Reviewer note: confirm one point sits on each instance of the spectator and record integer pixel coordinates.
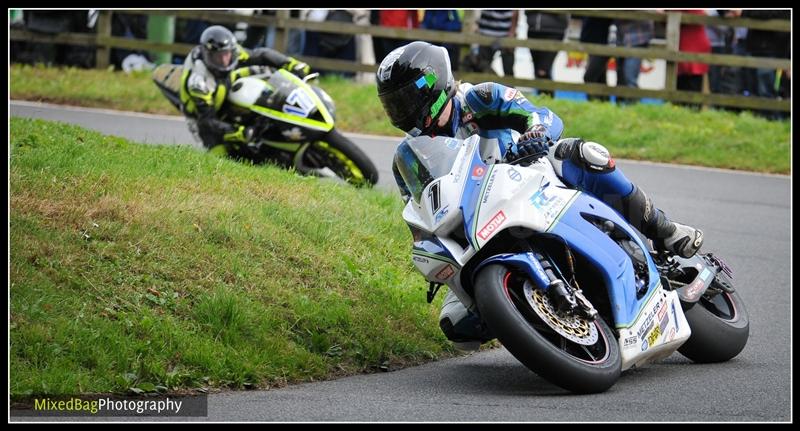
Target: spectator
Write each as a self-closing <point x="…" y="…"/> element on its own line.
<point x="631" y="33"/>
<point x="765" y="43"/>
<point x="445" y="20"/>
<point x="332" y="45"/>
<point x="130" y="26"/>
<point x="497" y="24"/>
<point x="693" y="38"/>
<point x="54" y="22"/>
<point x="595" y="30"/>
<point x="721" y="39"/>
<point x="257" y="36"/>
<point x="405" y="18"/>
<point x="548" y="26"/>
<point x="188" y="31"/>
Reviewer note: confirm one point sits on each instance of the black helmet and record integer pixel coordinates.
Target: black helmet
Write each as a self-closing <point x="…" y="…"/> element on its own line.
<point x="414" y="84"/>
<point x="219" y="49"/>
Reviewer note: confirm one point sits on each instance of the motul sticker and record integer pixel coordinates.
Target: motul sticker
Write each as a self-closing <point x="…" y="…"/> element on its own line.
<point x="490" y="228"/>
<point x="445" y="273"/>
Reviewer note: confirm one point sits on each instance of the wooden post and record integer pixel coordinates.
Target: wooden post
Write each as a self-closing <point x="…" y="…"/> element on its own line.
<point x="281" y="31"/>
<point x="706" y="92"/>
<point x="673" y="44"/>
<point x="468" y="26"/>
<point x="103" y="52"/>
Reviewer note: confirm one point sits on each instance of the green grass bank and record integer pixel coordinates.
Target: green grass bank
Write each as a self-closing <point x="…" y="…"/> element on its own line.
<point x="154" y="268"/>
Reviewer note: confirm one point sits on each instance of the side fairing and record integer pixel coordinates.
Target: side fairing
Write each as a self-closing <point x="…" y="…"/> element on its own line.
<point x="606" y="255"/>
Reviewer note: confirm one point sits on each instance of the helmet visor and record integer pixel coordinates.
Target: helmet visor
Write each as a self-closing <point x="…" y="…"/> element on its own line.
<point x="222" y="59"/>
<point x="406" y="107"/>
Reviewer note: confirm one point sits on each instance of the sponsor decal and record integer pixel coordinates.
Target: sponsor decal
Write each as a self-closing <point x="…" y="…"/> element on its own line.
<point x="539" y="199"/>
<point x="662" y="311"/>
<point x="675" y="315"/>
<point x="549" y="206"/>
<point x="644" y="345"/>
<point x="293" y="134"/>
<point x="298" y="103"/>
<point x="509" y="93"/>
<point x="646" y="326"/>
<point x="548" y="119"/>
<point x="437" y="105"/>
<point x="445" y="273"/>
<point x="419" y="259"/>
<point x="477" y="172"/>
<point x="433" y="195"/>
<point x="514" y="175"/>
<point x="671" y="334"/>
<point x="484" y="92"/>
<point x="664" y="320"/>
<point x="693" y="290"/>
<point x="427" y="80"/>
<point x="630" y="341"/>
<point x="451" y="143"/>
<point x="441" y="214"/>
<point x="537" y="266"/>
<point x="457" y="176"/>
<point x="653" y="336"/>
<point x="647" y="322"/>
<point x="489" y="185"/>
<point x="414" y="132"/>
<point x="491" y="227"/>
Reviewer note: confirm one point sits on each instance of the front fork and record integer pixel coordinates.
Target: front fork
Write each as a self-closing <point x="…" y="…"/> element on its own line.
<point x="568" y="297"/>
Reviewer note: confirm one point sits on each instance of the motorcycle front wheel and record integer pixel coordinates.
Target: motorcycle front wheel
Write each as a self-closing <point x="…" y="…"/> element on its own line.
<point x="574" y="353"/>
<point x="343" y="158"/>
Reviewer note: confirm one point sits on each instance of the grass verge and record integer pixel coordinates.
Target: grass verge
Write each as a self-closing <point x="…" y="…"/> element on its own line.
<point x="152" y="268"/>
<point x="659" y="133"/>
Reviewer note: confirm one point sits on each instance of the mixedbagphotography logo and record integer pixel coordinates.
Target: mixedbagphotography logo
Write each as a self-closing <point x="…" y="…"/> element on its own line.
<point x="107" y="405"/>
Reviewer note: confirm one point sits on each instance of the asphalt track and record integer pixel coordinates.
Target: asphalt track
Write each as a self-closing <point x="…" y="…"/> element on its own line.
<point x="746" y="220"/>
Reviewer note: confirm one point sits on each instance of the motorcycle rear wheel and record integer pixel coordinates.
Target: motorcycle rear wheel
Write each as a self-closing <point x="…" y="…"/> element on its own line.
<point x="720" y="327"/>
<point x="576" y="367"/>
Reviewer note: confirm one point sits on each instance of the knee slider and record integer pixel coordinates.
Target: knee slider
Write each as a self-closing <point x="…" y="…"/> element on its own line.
<point x="585" y="153"/>
<point x="596" y="157"/>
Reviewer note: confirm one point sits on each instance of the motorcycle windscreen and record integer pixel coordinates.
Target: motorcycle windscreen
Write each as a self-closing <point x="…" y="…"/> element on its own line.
<point x="422" y="159"/>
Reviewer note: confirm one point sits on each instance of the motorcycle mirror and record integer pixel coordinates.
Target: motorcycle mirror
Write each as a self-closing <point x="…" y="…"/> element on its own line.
<point x="311" y="76"/>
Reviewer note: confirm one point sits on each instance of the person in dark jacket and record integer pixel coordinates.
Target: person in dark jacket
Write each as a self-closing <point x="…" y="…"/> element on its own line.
<point x="549" y="26"/>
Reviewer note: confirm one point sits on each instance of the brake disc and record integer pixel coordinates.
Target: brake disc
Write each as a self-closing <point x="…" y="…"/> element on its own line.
<point x="570" y="326"/>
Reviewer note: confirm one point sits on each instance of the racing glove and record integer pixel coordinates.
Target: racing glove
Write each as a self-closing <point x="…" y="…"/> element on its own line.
<point x="297" y="67"/>
<point x="534" y="142"/>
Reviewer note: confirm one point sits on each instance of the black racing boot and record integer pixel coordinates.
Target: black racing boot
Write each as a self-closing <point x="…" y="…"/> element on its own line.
<point x="667" y="235"/>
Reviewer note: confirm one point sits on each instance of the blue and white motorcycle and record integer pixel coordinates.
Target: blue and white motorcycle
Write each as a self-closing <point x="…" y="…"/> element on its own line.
<point x="562" y="280"/>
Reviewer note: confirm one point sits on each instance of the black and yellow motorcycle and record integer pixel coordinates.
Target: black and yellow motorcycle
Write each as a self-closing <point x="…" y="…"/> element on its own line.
<point x="294" y="123"/>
